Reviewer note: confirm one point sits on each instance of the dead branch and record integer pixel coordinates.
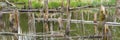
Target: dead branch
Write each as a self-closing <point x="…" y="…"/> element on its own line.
<point x="79" y="21"/>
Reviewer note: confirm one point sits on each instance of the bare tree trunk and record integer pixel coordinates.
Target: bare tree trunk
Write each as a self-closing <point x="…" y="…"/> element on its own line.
<point x="67" y="31"/>
<point x="2" y="26"/>
<point x="51" y="28"/>
<point x="31" y="22"/>
<point x="14" y="23"/>
<point x="46" y="17"/>
<point x="18" y="23"/>
<point x="60" y="21"/>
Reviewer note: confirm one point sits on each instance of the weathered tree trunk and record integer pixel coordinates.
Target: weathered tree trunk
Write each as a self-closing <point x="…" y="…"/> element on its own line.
<point x="51" y="28"/>
<point x="67" y="31"/>
<point x="46" y="17"/>
<point x="60" y="21"/>
<point x="31" y="21"/>
<point x="14" y="23"/>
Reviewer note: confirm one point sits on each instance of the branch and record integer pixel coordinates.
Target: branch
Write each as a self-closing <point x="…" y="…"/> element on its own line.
<point x="11" y="4"/>
<point x="79" y="21"/>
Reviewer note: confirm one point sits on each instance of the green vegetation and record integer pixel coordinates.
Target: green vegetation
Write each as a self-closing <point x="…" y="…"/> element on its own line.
<point x="75" y="30"/>
<point x="56" y="4"/>
<point x="75" y="4"/>
<point x="36" y="5"/>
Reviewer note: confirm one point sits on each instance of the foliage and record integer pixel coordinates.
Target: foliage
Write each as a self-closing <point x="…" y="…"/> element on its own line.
<point x="36" y="5"/>
<point x="75" y="4"/>
<point x="54" y="4"/>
